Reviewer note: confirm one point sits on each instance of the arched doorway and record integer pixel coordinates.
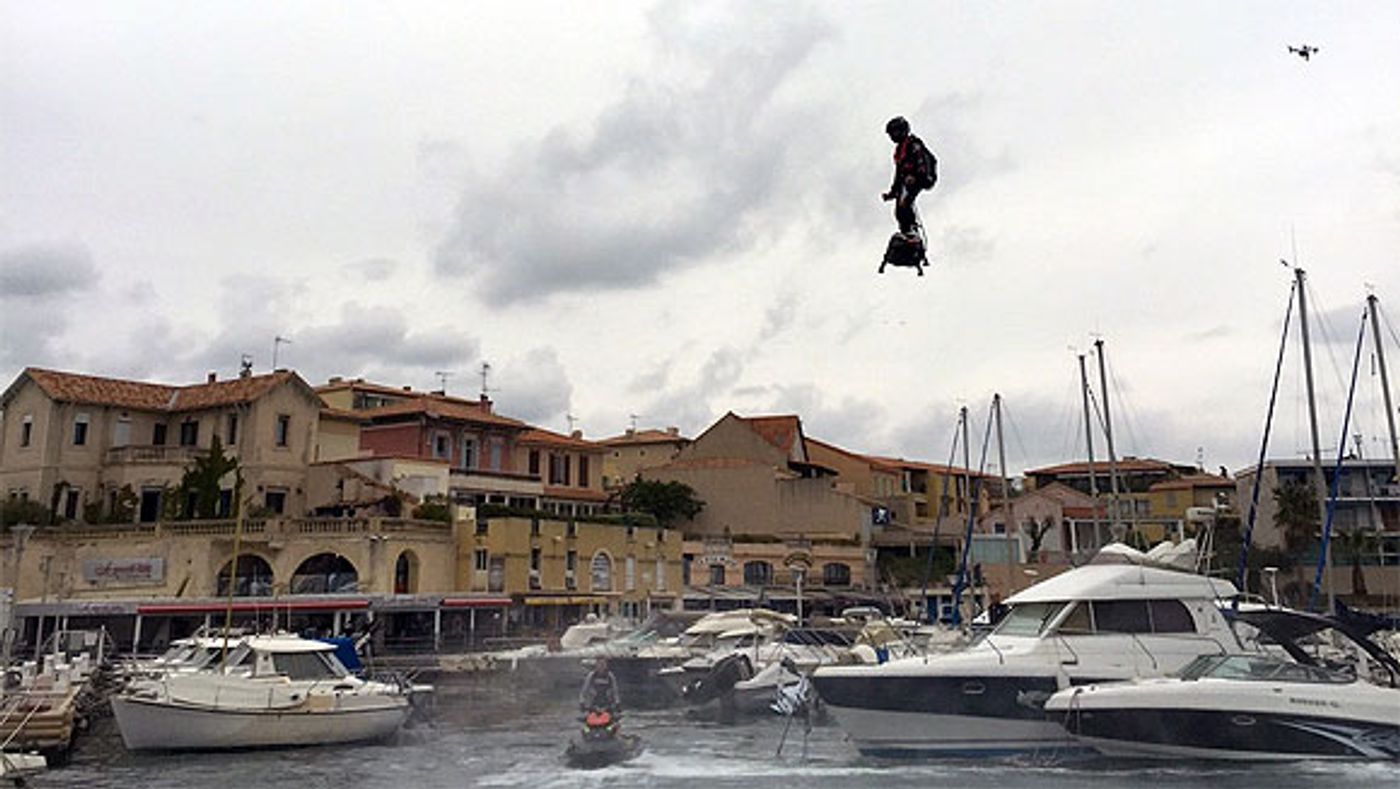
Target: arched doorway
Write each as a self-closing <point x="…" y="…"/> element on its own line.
<point x="253" y="579"/>
<point x="325" y="573"/>
<point x="406" y="573"/>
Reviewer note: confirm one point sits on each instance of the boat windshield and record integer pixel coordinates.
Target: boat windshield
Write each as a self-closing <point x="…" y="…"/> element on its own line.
<point x="1258" y="668"/>
<point x="1028" y="619"/>
<point x="306" y="665"/>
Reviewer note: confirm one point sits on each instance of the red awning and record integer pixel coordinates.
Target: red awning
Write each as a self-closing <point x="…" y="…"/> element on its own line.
<point x="476" y="602"/>
<point x="245" y="607"/>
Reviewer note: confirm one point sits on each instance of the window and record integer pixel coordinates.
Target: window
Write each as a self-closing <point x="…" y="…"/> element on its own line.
<point x="189" y="433"/>
<point x="231" y="430"/>
<point x="283" y="431"/>
<point x="534" y="568"/>
<point x="660" y="583"/>
<point x="601" y="571"/>
<point x="80" y="430"/>
<point x="571" y="570"/>
<point x="275" y="501"/>
<point x="534" y="462"/>
<point x="686" y="559"/>
<point x="716" y="575"/>
<point x="583" y="472"/>
<point x="558" y="469"/>
<point x="1078" y="621"/>
<point x="534" y="527"/>
<point x="1028" y="619"/>
<point x="442" y="446"/>
<point x="758" y="573"/>
<point x="571" y="529"/>
<point x="481" y="560"/>
<point x="630" y="574"/>
<point x="468" y="452"/>
<point x="836" y="574"/>
<point x="158" y="434"/>
<point x="482" y="527"/>
<point x="121" y="432"/>
<point x="26" y="430"/>
<point x="71" y="498"/>
<point x="1170" y="616"/>
<point x="496" y="452"/>
<point x="1121" y="616"/>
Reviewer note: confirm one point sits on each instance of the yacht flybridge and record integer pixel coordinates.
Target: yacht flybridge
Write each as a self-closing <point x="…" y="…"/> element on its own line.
<point x="277" y="690"/>
<point x="1096" y="623"/>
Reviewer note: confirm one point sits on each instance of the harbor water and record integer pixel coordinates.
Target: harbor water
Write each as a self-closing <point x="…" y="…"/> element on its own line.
<point x="490" y="734"/>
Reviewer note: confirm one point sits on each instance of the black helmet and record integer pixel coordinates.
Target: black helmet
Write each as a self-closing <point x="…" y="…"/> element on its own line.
<point x="897" y="127"/>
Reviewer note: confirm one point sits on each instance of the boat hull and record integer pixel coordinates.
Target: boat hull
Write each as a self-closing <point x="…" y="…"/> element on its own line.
<point x="156" y="725"/>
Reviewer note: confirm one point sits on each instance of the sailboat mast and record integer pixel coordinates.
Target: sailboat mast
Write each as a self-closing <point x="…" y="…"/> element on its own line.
<point x="1006" y="501"/>
<point x="1108" y="435"/>
<point x="1373" y="305"/>
<point x="1089" y="442"/>
<point x="1319" y="481"/>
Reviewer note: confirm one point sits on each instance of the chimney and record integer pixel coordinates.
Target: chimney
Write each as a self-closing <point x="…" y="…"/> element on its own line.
<point x="485" y="403"/>
<point x="673" y="431"/>
<point x="408" y="389"/>
<point x="631" y="431"/>
<point x="576" y="434"/>
<point x="213" y="376"/>
<point x="335" y="379"/>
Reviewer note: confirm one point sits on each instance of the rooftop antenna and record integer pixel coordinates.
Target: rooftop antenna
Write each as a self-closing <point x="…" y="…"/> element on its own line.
<point x="485" y="378"/>
<point x="442" y="380"/>
<point x="277" y="342"/>
<point x="245" y="365"/>
<point x="632" y="421"/>
<point x="571" y="419"/>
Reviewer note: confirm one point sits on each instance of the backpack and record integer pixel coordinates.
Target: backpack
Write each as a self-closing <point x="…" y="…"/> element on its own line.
<point x="930" y="168"/>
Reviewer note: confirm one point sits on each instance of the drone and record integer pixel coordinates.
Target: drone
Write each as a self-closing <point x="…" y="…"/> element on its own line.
<point x="1305" y="51"/>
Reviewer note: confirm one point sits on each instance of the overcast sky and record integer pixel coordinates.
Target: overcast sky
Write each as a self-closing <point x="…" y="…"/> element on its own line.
<point x="671" y="210"/>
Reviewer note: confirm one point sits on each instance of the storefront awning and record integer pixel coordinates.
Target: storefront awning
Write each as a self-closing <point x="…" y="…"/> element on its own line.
<point x="567" y="600"/>
<point x="246" y="606"/>
<point x="476" y="602"/>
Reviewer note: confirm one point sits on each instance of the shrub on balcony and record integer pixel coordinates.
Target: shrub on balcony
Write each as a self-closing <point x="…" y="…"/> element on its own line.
<point x="434" y="508"/>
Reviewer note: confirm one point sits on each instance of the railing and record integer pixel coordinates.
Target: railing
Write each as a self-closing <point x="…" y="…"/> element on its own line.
<point x="176" y="455"/>
<point x="255" y="528"/>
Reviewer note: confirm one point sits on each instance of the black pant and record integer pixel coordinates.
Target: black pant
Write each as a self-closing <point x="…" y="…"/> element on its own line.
<point x="904" y="208"/>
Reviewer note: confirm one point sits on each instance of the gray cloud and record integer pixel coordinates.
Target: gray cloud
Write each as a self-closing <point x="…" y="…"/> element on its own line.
<point x="676" y="169"/>
<point x="695" y="405"/>
<point x="535" y="388"/>
<point x="372" y="269"/>
<point x="34" y="313"/>
<point x="46" y="270"/>
<point x="965" y="244"/>
<point x="778" y="317"/>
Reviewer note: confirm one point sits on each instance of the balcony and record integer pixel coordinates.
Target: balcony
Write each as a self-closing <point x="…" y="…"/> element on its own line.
<point x="153" y="455"/>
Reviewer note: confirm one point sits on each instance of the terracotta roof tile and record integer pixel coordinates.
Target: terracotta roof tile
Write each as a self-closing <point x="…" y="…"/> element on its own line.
<point x="442" y="408"/>
<point x="537" y="435"/>
<point x="780" y="431"/>
<point x="1103" y="467"/>
<point x="139" y="395"/>
<point x="645" y="437"/>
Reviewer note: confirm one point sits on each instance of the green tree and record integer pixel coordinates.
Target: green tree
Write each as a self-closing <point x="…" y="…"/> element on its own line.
<point x="434" y="508"/>
<point x="668" y="502"/>
<point x="201" y="487"/>
<point x="1353" y="546"/>
<point x="16" y="511"/>
<point x="1036" y="533"/>
<point x="1297" y="514"/>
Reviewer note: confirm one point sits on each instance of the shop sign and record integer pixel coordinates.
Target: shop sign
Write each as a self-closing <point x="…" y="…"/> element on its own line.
<point x="124" y="572"/>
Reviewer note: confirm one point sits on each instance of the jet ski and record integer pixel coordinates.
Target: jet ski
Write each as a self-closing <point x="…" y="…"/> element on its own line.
<point x="601" y="743"/>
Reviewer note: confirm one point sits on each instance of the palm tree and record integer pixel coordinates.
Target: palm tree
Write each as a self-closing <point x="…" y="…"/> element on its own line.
<point x="1354" y="545"/>
<point x="1297" y="514"/>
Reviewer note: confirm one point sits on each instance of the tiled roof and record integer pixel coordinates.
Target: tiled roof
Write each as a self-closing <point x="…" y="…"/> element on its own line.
<point x="449" y="408"/>
<point x="936" y="468"/>
<point x="645" y="437"/>
<point x="342" y="414"/>
<point x="1195" y="481"/>
<point x="537" y="435"/>
<point x="139" y="395"/>
<point x="877" y="463"/>
<point x="1103" y="467"/>
<point x="359" y="384"/>
<point x="780" y="431"/>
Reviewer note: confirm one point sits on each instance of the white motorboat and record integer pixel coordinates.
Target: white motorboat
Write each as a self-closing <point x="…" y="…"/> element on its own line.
<point x="1249" y="707"/>
<point x="1090" y="624"/>
<point x="271" y="691"/>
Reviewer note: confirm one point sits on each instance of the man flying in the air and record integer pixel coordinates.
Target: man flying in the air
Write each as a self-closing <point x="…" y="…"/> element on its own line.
<point x="915" y="169"/>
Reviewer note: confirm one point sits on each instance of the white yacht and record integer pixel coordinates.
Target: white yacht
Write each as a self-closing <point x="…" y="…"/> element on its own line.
<point x="1250" y="707"/>
<point x="271" y="691"/>
<point x="1090" y="624"/>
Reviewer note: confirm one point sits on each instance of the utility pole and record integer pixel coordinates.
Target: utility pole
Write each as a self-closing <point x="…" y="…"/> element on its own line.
<point x="1319" y="481"/>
